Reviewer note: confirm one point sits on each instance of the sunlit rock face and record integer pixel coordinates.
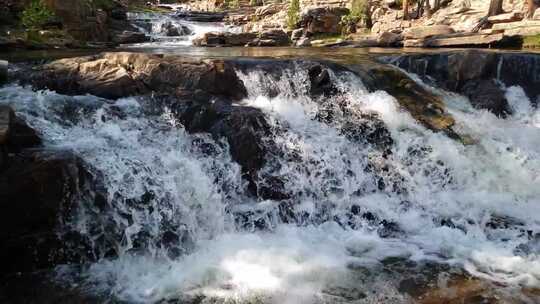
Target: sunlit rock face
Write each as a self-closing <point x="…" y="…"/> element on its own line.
<point x="289" y="181"/>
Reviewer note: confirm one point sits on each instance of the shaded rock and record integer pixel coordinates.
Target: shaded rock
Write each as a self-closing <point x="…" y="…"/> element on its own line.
<point x="82" y="20"/>
<point x="201" y="16"/>
<point x="224" y="39"/>
<point x="273" y="38"/>
<point x="38" y="191"/>
<point x="3" y="71"/>
<point x="297" y="34"/>
<point x="45" y="184"/>
<point x="115" y="75"/>
<point x="321" y="83"/>
<point x="486" y="94"/>
<point x="323" y="19"/>
<point x="244" y="128"/>
<point x="130" y="37"/>
<point x="389" y="39"/>
<point x="421" y="32"/>
<point x="453" y="70"/>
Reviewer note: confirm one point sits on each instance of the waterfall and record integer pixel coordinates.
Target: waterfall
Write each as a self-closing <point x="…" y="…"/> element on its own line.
<point x="364" y="185"/>
<point x="158" y="25"/>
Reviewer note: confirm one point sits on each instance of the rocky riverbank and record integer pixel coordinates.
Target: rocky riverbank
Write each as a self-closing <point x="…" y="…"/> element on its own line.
<point x="335" y="23"/>
<point x="71" y="24"/>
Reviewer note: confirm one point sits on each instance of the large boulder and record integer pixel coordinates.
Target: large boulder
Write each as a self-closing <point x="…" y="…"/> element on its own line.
<point x="39" y="188"/>
<point x="323" y="20"/>
<point x="115" y="75"/>
<point x="271" y="38"/>
<point x="488" y="95"/>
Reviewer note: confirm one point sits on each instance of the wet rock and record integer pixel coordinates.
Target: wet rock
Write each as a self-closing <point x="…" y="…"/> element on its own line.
<point x="38" y="190"/>
<point x="323" y="20"/>
<point x="126" y="37"/>
<point x="486" y="94"/>
<point x="423" y="105"/>
<point x="115" y="75"/>
<point x="453" y="70"/>
<point x="244" y="128"/>
<point x="321" y="83"/>
<point x="171" y="30"/>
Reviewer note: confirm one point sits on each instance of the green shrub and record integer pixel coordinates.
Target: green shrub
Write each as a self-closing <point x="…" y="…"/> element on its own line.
<point x="359" y="9"/>
<point x="36" y="15"/>
<point x="232" y="3"/>
<point x="293" y="14"/>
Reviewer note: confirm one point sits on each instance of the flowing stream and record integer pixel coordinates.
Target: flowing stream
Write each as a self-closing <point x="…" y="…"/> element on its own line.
<point x="181" y="225"/>
<point x="168" y="31"/>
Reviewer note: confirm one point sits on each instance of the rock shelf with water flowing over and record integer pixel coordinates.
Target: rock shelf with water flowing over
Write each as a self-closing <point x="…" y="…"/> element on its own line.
<point x="149" y="178"/>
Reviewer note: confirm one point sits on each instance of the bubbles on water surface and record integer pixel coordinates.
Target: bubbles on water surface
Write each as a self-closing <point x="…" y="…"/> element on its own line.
<point x="356" y="213"/>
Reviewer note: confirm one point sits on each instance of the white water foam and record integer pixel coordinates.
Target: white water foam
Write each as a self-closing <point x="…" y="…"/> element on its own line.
<point x="320" y="260"/>
<point x="154" y="28"/>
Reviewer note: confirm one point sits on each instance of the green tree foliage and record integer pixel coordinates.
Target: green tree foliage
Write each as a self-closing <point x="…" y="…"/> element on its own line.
<point x="104" y="4"/>
<point x="36" y="15"/>
<point x="359" y="8"/>
<point x="293" y="14"/>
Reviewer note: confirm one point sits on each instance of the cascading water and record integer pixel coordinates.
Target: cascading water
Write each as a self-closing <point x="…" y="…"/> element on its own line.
<point x="166" y="30"/>
<point x="168" y="228"/>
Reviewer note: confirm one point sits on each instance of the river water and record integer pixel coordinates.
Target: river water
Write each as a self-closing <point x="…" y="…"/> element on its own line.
<point x="432" y="209"/>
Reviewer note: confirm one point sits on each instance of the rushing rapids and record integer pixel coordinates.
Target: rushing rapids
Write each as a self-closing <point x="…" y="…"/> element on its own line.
<point x="355" y="201"/>
<point x="169" y="30"/>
